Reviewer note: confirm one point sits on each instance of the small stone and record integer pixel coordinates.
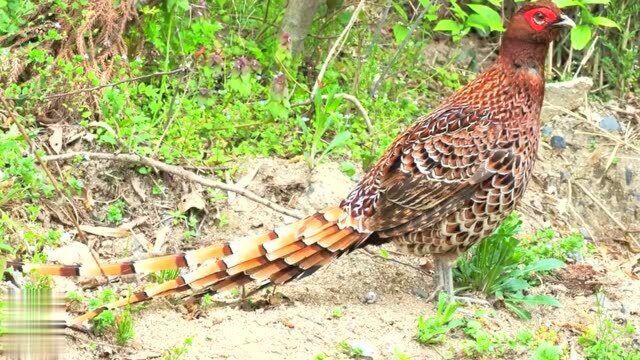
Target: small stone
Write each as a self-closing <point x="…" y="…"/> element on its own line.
<point x="558" y="142"/>
<point x="628" y="176"/>
<point x="421" y="293"/>
<point x="370" y="298"/>
<point x="546" y="130"/>
<point x="610" y="123"/>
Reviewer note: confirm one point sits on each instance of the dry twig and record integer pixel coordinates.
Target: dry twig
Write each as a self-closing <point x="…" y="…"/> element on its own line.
<point x="337" y="46"/>
<point x="179" y="171"/>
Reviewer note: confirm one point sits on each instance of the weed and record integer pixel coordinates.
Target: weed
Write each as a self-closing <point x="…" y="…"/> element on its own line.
<point x="115" y="212"/>
<point x="608" y="340"/>
<point x="433" y="330"/>
<point x="164" y="275"/>
<point x="207" y="301"/>
<point x="124" y="327"/>
<point x="337" y="313"/>
<point x="106" y="319"/>
<point x="399" y="355"/>
<point x="547" y="351"/>
<point x="178" y="352"/>
<point x="496" y="267"/>
<point x="351" y="351"/>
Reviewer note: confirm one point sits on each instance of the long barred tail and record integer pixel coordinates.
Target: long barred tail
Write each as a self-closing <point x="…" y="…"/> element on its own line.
<point x="276" y="257"/>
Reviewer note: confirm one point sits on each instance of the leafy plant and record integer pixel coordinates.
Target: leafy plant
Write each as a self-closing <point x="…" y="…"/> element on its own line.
<point x="494" y="267"/>
<point x="433" y="330"/>
<point x="608" y="340"/>
<point x="582" y="34"/>
<point x="164" y="275"/>
<point x="178" y="352"/>
<point x="124" y="327"/>
<point x="325" y="117"/>
<point x="351" y="351"/>
<point x="115" y="212"/>
<point x="479" y="16"/>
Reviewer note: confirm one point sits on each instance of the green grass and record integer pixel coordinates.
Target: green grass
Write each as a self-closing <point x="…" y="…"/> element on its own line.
<point x="503" y="266"/>
<point x="433" y="330"/>
<point x="178" y="352"/>
<point x="606" y="340"/>
<point x="124" y="327"/>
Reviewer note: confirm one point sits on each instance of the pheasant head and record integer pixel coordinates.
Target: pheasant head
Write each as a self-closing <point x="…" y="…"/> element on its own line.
<point x="529" y="32"/>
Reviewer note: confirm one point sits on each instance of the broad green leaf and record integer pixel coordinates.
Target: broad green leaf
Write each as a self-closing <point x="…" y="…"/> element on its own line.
<point x="580" y="36"/>
<point x="544" y="265"/>
<point x="566" y="3"/>
<point x="400" y="32"/>
<point x="603" y="21"/>
<point x="492" y="17"/>
<point x="6" y="247"/>
<point x="448" y="25"/>
<point x="603" y="2"/>
<point x="338" y="141"/>
<point x="540" y="300"/>
<point x="398" y="8"/>
<point x="515" y="284"/>
<point x="519" y="311"/>
<point x="478" y="22"/>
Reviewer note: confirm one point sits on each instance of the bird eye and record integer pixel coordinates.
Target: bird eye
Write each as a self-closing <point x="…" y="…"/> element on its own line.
<point x="539" y="18"/>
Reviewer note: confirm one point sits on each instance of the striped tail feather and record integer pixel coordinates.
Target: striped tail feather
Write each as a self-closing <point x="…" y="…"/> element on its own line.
<point x="276" y="257"/>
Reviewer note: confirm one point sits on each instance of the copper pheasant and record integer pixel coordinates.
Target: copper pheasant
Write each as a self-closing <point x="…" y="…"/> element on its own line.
<point x="445" y="183"/>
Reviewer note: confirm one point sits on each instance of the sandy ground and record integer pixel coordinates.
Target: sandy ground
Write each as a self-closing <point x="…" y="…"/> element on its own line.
<point x="301" y="326"/>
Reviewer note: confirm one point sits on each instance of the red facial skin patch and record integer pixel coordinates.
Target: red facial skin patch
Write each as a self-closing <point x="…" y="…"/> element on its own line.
<point x="539" y="18"/>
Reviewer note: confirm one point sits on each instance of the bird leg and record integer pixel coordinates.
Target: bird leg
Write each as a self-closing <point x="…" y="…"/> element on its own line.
<point x="445" y="274"/>
<point x="443" y="263"/>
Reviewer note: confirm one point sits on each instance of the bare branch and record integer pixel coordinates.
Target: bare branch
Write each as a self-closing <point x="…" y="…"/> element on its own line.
<point x="337" y="45"/>
<point x="176" y="170"/>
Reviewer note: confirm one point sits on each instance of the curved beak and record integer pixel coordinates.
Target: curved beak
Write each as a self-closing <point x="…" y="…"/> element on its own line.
<point x="564" y="20"/>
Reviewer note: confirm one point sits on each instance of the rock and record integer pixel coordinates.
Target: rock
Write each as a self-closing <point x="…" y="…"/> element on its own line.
<point x="628" y="176"/>
<point x="370" y="298"/>
<point x="546" y="130"/>
<point x="610" y="123"/>
<point x="569" y="95"/>
<point x="558" y="142"/>
<point x="421" y="293"/>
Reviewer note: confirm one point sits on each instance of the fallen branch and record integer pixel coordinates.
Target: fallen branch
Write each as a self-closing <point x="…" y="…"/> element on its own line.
<point x="337" y="45"/>
<point x="176" y="170"/>
<point x="352" y="99"/>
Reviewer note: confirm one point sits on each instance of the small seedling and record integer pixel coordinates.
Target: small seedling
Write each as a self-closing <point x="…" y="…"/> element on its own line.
<point x="547" y="351"/>
<point x="351" y="351"/>
<point x="433" y="330"/>
<point x="115" y="212"/>
<point x="178" y="352"/>
<point x="124" y="327"/>
<point x="164" y="275"/>
<point x="337" y="313"/>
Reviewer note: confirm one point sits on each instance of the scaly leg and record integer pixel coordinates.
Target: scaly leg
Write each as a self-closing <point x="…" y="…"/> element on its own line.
<point x="445" y="274"/>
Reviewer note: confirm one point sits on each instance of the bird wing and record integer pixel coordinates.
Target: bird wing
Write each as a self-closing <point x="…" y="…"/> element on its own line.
<point x="429" y="172"/>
